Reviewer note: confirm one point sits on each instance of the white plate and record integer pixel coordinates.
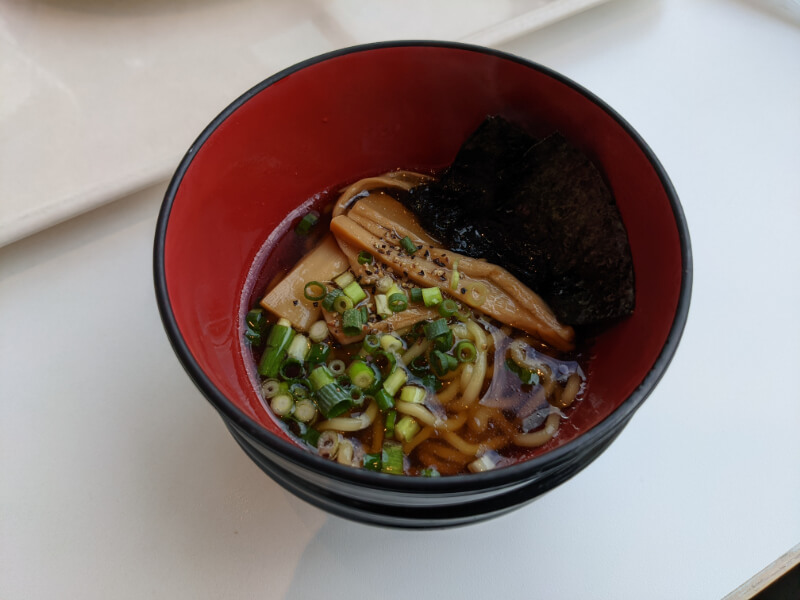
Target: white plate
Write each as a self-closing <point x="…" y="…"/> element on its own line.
<point x="101" y="97"/>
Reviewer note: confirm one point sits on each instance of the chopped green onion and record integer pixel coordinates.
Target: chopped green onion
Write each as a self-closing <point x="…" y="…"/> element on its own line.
<point x="320" y="377"/>
<point x="282" y="405"/>
<point x="307" y="222"/>
<point x="318" y="354"/>
<point x="280" y="336"/>
<point x="382" y="306"/>
<point x="371" y="343"/>
<point x="344" y="279"/>
<point x="436" y="328"/>
<point x="526" y="376"/>
<point x="415" y="294"/>
<point x="291" y="368"/>
<point x="454" y="276"/>
<point x="420" y="365"/>
<point x="392" y="458"/>
<point x="452" y="362"/>
<point x="386" y="362"/>
<point x="332" y="400"/>
<point x="311" y="437"/>
<point x="465" y="351"/>
<point x="299" y="347"/>
<point x="406" y="429"/>
<point x="356" y="395"/>
<point x="448" y="308"/>
<point x="364" y="258"/>
<point x="439" y="363"/>
<point x="445" y="341"/>
<point x="431" y="296"/>
<point x="431" y="382"/>
<point x="484" y="463"/>
<point x="409" y="246"/>
<point x="342" y="303"/>
<point x="372" y="462"/>
<point x="352" y="322"/>
<point x="397" y="302"/>
<point x="383" y="285"/>
<point x="395" y="381"/>
<point x="337" y="367"/>
<point x="330" y="298"/>
<point x="318" y="331"/>
<point x="384" y="400"/>
<point x="354" y="291"/>
<point x="391" y="343"/>
<point x="361" y="374"/>
<point x="430" y="472"/>
<point x="305" y="410"/>
<point x="270" y="388"/>
<point x="300" y="390"/>
<point x="256" y="322"/>
<point x="314" y="291"/>
<point x="391" y="419"/>
<point x="413" y="394"/>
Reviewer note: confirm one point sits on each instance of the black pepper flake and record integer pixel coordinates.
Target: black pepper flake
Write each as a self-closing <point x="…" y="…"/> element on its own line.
<point x="421" y="273"/>
<point x="316" y="304"/>
<point x="442" y="277"/>
<point x="436" y="261"/>
<point x="405" y="273"/>
<point x="427" y="254"/>
<point x="295" y="302"/>
<point x="463" y="290"/>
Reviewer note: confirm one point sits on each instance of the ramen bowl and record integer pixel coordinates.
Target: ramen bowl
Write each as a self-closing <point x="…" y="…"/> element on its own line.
<point x="366" y="110"/>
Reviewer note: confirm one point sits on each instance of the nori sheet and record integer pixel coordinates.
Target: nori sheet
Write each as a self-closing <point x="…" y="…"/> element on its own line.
<point x="542" y="210"/>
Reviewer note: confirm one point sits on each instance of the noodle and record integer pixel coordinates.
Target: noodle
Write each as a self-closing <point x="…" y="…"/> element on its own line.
<point x="417" y="411"/>
<point x="423" y="435"/>
<point x="570" y="391"/>
<point x="542" y="436"/>
<point x="449" y="393"/>
<point x="415" y="351"/>
<point x="351" y="423"/>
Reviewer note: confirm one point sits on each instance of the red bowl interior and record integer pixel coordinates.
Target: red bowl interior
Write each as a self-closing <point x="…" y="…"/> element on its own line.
<point x="364" y="112"/>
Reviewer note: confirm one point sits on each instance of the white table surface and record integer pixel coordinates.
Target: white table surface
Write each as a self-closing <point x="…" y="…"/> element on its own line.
<point x="117" y="480"/>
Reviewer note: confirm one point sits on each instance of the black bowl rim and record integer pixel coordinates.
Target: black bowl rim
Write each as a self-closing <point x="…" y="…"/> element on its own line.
<point x="419" y="485"/>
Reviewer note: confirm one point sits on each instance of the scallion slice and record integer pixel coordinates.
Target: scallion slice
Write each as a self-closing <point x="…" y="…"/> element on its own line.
<point x="391" y="419"/>
<point x="392" y="458"/>
<point x="361" y="374"/>
<point x="372" y="462"/>
<point x="371" y="343"/>
<point x="465" y="351"/>
<point x="439" y="363"/>
<point x="342" y="303"/>
<point x="397" y="302"/>
<point x="415" y="294"/>
<point x="352" y="322"/>
<point x="395" y="381"/>
<point x="354" y="291"/>
<point x="318" y="354"/>
<point x="445" y="341"/>
<point x="431" y="296"/>
<point x="256" y="322"/>
<point x="315" y="291"/>
<point x="436" y="328"/>
<point x="332" y="400"/>
<point x="384" y="400"/>
<point x="307" y="222"/>
<point x="364" y="258"/>
<point x="330" y="298"/>
<point x="409" y="246"/>
<point x="447" y="308"/>
<point x="406" y="428"/>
